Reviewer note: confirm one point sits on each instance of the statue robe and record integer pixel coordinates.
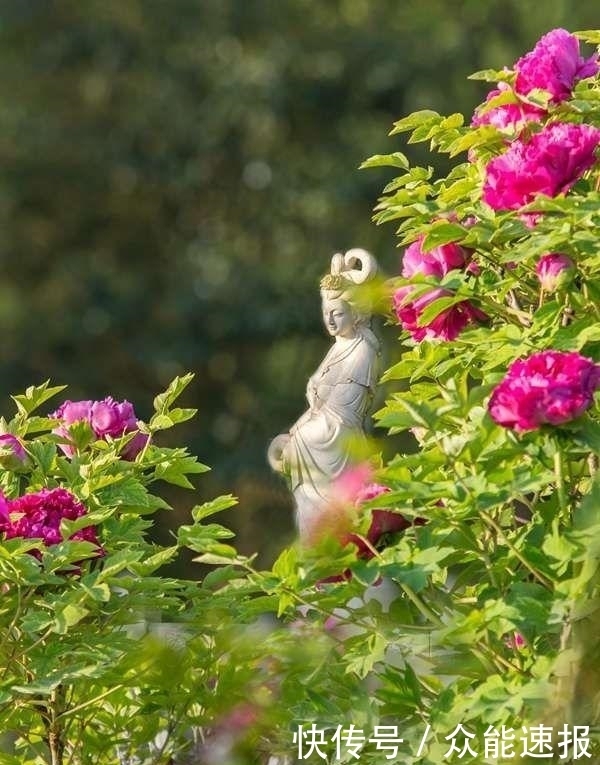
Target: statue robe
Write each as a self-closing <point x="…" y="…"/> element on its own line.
<point x="321" y="442"/>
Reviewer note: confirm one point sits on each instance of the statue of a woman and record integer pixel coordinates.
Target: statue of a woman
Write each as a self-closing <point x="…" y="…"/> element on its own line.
<point x="321" y="444"/>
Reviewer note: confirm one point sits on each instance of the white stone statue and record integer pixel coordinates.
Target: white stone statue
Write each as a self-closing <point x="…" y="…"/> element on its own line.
<point x="322" y="443"/>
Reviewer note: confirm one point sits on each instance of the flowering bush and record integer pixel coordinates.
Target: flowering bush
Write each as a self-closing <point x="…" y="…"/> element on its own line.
<point x="99" y="654"/>
<point x="506" y="470"/>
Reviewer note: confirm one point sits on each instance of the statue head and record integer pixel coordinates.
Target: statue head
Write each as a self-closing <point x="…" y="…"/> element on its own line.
<point x="343" y="314"/>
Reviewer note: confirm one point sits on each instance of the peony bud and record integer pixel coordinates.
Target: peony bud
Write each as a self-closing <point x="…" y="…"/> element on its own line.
<point x="555" y="271"/>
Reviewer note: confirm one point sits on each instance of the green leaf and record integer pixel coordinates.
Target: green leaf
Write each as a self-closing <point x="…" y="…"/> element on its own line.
<point x="154" y="562"/>
<point x="117" y="562"/>
<point x="164" y="421"/>
<point x="588" y="434"/>
<point x="437" y="307"/>
<point x="163" y="401"/>
<point x="414" y="120"/>
<point x="212" y="559"/>
<point x="43" y="454"/>
<point x="177" y="470"/>
<point x="214" y="506"/>
<point x="589" y="35"/>
<point x="397" y="159"/>
<point x="442" y="233"/>
<point x="199" y="537"/>
<point x="286" y="565"/>
<point x="36" y="396"/>
<point x="68" y="617"/>
<point x="491" y="75"/>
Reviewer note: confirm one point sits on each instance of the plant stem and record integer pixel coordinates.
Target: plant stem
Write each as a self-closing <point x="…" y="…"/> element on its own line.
<point x="560" y="479"/>
<point x="424" y="609"/>
<point x="54" y="731"/>
<point x="541" y="579"/>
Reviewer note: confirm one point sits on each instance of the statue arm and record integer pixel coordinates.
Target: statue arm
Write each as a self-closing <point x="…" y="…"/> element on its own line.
<point x="276" y="453"/>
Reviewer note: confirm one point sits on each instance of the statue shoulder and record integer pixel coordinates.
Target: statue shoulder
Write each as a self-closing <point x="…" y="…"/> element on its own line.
<point x="363" y="363"/>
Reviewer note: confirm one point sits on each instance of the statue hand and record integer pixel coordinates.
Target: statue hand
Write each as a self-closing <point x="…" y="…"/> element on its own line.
<point x="276" y="451"/>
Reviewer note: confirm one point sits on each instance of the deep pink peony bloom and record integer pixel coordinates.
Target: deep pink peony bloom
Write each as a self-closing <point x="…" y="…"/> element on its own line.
<point x="554" y="65"/>
<point x="513" y="116"/>
<point x="38" y="516"/>
<point x="447" y="325"/>
<point x="549" y="163"/>
<point x="554" y="271"/>
<point x="549" y="387"/>
<point x="435" y="262"/>
<point x="106" y="418"/>
<point x="4" y="510"/>
<point x="12" y="443"/>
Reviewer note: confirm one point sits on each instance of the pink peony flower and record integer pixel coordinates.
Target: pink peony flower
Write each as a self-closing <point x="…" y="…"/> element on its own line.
<point x="549" y="387"/>
<point x="554" y="271"/>
<point x="73" y="411"/>
<point x="349" y="484"/>
<point x="14" y="447"/>
<point x="514" y="115"/>
<point x="549" y="163"/>
<point x="435" y="262"/>
<point x="554" y="65"/>
<point x="447" y="325"/>
<point x="357" y="480"/>
<point x="38" y="516"/>
<point x="106" y="418"/>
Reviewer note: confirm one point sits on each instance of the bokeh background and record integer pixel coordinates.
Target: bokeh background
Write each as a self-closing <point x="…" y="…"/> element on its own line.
<point x="174" y="177"/>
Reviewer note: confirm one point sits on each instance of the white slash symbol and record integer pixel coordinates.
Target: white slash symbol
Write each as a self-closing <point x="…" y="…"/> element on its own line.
<point x="424" y="740"/>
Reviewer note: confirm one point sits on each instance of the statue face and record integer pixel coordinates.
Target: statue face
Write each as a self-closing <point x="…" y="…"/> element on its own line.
<point x="338" y="317"/>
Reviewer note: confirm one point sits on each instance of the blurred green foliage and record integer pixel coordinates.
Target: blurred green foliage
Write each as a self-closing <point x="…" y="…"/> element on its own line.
<point x="175" y="176"/>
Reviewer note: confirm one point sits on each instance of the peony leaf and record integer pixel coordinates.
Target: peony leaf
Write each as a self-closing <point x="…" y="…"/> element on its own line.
<point x="397" y="159"/>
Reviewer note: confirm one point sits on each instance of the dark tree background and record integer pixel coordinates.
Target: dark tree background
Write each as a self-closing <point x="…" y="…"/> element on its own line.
<point x="174" y="177"/>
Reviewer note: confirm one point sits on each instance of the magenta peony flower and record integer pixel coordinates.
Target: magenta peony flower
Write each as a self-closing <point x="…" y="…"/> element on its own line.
<point x="549" y="387"/>
<point x="554" y="65"/>
<point x="549" y="163"/>
<point x="513" y="116"/>
<point x="436" y="262"/>
<point x="4" y="510"/>
<point x="38" y="516"/>
<point x="106" y="418"/>
<point x="447" y="325"/>
<point x="554" y="271"/>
